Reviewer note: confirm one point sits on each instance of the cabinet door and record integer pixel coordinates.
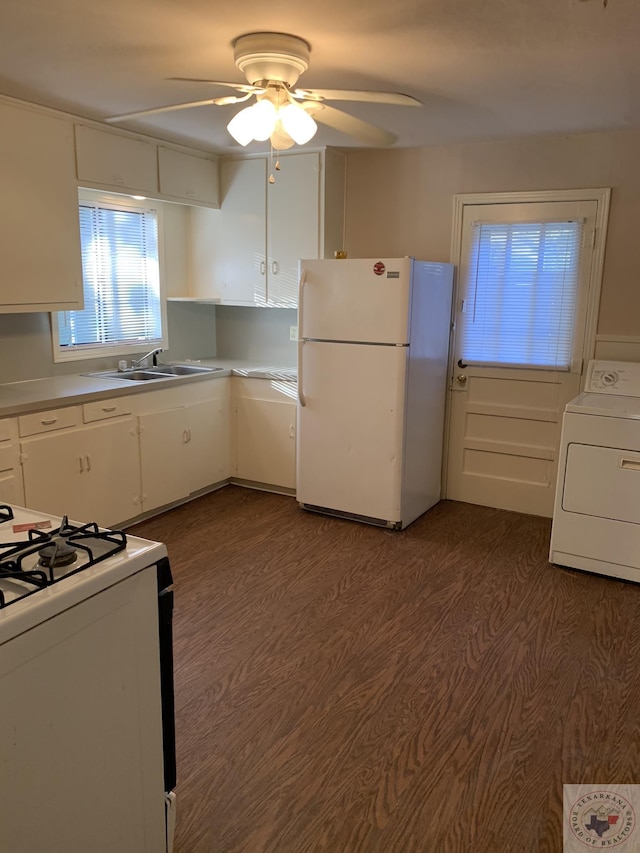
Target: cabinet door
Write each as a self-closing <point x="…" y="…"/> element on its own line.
<point x="39" y="202"/>
<point x="112" y="471"/>
<point x="89" y="474"/>
<point x="266" y="442"/>
<point x="187" y="177"/>
<point x="209" y="454"/>
<point x="293" y="227"/>
<point x="116" y="161"/>
<point x="228" y="246"/>
<point x="164" y="458"/>
<point x="11" y="485"/>
<point x="55" y="474"/>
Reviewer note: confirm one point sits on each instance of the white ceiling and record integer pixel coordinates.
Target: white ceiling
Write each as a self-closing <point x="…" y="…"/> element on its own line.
<point x="484" y="69"/>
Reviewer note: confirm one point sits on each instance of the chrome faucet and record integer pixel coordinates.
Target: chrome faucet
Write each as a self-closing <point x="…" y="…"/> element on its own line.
<point x="154" y="352"/>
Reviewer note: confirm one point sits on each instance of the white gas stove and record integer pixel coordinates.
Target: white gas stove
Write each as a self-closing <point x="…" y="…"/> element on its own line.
<point x="48" y="564"/>
<point x="86" y="678"/>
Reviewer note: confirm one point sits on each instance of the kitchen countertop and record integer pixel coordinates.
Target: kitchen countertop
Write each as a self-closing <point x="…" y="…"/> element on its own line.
<point x="33" y="395"/>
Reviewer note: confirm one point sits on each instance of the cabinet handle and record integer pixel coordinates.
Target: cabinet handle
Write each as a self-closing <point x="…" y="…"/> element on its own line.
<point x="48" y="422"/>
<point x="275" y="268"/>
<point x="109" y="408"/>
<point x="263" y="267"/>
<point x="185" y="436"/>
<point x="88" y="458"/>
<point x="303" y="281"/>
<point x="292" y="431"/>
<point x="630" y="464"/>
<point x="81" y="464"/>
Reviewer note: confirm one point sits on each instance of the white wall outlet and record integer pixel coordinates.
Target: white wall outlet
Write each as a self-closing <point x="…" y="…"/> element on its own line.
<point x="293" y="333"/>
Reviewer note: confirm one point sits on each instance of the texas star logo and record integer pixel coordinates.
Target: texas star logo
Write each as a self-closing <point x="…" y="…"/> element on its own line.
<point x="602" y="819"/>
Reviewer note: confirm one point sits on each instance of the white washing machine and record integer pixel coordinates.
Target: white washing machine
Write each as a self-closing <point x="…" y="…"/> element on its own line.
<point x="596" y="516"/>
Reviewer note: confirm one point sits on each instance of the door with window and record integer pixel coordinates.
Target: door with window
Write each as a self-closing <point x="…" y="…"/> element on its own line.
<point x="527" y="291"/>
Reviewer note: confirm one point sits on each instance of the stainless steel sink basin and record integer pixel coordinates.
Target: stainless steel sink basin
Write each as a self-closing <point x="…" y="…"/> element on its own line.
<point x="162" y="371"/>
<point x="131" y="375"/>
<point x="184" y="369"/>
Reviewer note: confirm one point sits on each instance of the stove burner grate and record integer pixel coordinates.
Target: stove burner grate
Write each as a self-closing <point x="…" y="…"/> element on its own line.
<point x="6" y="513"/>
<point x="61" y="547"/>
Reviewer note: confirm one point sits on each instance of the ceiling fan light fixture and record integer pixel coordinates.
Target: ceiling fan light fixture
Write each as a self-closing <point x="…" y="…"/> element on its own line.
<point x="255" y="122"/>
<point x="263" y="117"/>
<point x="297" y="123"/>
<point x="241" y="126"/>
<point x="280" y="139"/>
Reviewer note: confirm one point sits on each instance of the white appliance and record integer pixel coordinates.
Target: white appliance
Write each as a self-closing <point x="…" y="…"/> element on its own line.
<point x="596" y="517"/>
<point x="87" y="739"/>
<point x="372" y="369"/>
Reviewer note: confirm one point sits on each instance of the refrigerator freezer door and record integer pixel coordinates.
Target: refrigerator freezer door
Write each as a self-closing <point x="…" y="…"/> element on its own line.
<point x="348" y="301"/>
<point x="350" y="432"/>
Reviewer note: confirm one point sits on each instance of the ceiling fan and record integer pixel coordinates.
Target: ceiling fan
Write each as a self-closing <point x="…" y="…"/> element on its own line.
<point x="272" y="64"/>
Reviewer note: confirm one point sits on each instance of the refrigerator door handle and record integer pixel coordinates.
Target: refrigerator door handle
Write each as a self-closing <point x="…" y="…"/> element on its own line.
<point x="303" y="280"/>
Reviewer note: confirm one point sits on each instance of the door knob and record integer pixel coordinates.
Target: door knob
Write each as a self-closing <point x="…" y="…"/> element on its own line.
<point x="461" y="379"/>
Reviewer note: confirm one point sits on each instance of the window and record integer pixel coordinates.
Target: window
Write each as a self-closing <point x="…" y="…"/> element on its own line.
<point x="521" y="294"/>
<point x="121" y="278"/>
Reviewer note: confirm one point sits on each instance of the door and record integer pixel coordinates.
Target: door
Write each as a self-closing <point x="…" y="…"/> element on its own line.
<point x="164" y="457"/>
<point x="350" y="430"/>
<point x="505" y="421"/>
<point x="355" y="300"/>
<point x="293" y="225"/>
<point x="208" y="440"/>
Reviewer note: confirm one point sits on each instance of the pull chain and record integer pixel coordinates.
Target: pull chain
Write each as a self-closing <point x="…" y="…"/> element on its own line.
<point x="272" y="179"/>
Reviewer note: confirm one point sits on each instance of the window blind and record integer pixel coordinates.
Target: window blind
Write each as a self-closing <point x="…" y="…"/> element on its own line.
<point x="120" y="278"/>
<point x="521" y="294"/>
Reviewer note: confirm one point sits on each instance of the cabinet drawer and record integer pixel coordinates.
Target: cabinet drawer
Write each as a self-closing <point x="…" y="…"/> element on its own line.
<point x="48" y="421"/>
<point x="5" y="430"/>
<point x="102" y="409"/>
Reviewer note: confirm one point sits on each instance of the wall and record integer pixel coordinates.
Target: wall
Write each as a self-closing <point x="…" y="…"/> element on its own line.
<point x="258" y="334"/>
<point x="400" y="202"/>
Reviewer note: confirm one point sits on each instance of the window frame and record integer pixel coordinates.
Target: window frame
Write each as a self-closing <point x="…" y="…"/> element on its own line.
<point x="92" y="351"/>
<point x="601" y="196"/>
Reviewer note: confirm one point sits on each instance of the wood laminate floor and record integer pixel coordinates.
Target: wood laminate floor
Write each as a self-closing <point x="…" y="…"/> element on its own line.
<point x="350" y="689"/>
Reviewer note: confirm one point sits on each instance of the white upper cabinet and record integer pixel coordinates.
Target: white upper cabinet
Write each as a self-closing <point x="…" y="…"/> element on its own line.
<point x="39" y="227"/>
<point x="247" y="253"/>
<point x="114" y="161"/>
<point x="188" y="178"/>
<point x="228" y="246"/>
<point x="293" y="225"/>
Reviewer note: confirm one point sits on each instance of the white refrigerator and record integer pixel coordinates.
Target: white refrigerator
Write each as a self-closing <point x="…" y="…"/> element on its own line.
<point x="372" y="375"/>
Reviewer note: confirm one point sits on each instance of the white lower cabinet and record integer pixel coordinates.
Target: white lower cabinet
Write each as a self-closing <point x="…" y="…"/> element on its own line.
<point x="11" y="485"/>
<point x="265" y="432"/>
<point x="184" y="441"/>
<point x="88" y="472"/>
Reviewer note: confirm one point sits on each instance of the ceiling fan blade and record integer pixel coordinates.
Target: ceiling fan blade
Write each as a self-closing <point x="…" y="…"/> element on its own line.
<point x="338" y="120"/>
<point x="171" y="107"/>
<point x="357" y="95"/>
<point x="240" y="87"/>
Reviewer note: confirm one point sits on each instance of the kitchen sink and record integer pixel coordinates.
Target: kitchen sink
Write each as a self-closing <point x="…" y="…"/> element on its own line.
<point x="162" y="371"/>
<point x="184" y="369"/>
<point x="131" y="375"/>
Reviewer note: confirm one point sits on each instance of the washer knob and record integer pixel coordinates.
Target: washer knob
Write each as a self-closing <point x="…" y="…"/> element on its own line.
<point x="610" y="378"/>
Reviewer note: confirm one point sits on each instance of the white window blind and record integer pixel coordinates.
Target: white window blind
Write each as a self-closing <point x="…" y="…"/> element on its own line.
<point x="521" y="294"/>
<point x="120" y="277"/>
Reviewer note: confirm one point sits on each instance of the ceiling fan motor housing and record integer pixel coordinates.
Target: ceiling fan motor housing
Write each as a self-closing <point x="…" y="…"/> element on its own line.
<point x="271" y="56"/>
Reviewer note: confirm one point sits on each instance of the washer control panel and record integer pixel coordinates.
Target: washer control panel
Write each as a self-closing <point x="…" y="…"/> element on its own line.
<point x="614" y="377"/>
